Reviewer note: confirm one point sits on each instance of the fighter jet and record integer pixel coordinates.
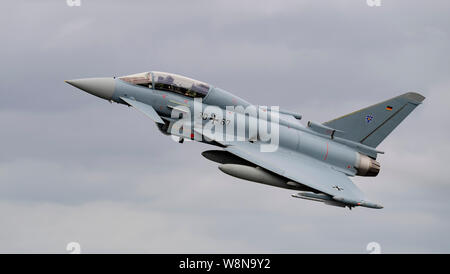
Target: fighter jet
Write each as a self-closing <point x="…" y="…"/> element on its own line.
<point x="264" y="144"/>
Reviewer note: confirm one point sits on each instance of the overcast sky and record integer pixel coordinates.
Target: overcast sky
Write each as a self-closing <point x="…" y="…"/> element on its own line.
<point x="74" y="167"/>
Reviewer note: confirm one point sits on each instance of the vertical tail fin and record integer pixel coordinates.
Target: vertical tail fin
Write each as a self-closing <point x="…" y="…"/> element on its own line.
<point x="371" y="125"/>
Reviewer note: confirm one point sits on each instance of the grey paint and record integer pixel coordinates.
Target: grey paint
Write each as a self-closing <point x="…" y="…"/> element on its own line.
<point x="309" y="158"/>
<point x="100" y="87"/>
<point x="326" y="160"/>
<point x="144" y="108"/>
<point x="259" y="175"/>
<point x="371" y="125"/>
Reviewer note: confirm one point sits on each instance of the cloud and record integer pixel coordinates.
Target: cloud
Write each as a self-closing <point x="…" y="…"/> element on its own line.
<point x="75" y="168"/>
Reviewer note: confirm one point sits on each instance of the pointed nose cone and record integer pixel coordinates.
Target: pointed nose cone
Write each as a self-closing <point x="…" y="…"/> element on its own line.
<point x="101" y="87"/>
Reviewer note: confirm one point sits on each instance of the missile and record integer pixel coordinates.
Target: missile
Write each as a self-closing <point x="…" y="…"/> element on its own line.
<point x="335" y="201"/>
<point x="259" y="175"/>
<point x="318" y="197"/>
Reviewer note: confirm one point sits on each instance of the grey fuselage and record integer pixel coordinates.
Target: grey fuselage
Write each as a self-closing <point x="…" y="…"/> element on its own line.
<point x="342" y="155"/>
<point x="263" y="144"/>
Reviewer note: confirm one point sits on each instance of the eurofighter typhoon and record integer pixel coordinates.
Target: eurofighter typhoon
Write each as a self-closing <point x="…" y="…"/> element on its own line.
<point x="263" y="144"/>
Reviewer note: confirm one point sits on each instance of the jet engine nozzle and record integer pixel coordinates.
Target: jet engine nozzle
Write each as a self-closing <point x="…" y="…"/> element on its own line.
<point x="367" y="166"/>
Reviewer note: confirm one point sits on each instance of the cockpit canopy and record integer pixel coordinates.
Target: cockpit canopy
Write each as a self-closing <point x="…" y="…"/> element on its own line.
<point x="141" y="79"/>
<point x="169" y="82"/>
